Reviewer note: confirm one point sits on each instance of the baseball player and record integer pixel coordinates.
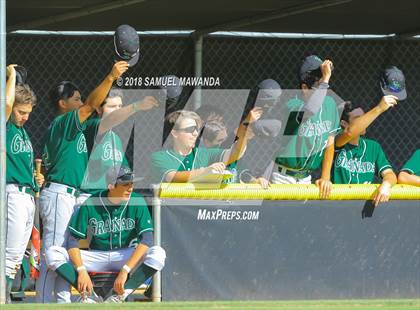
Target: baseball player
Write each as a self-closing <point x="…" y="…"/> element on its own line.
<point x="117" y="223"/>
<point x="107" y="146"/>
<point x="184" y="160"/>
<point x="311" y="145"/>
<point x="358" y="159"/>
<point x="21" y="184"/>
<point x="65" y="157"/>
<point x="410" y="172"/>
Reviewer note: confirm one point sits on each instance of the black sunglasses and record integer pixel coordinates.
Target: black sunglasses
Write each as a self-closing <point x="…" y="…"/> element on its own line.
<point x="189" y="129"/>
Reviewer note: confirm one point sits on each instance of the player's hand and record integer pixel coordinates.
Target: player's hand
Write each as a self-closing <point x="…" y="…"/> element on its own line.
<point x="84" y="283"/>
<point x="120" y="281"/>
<point x="263" y="182"/>
<point x="147" y="103"/>
<point x="118" y="69"/>
<point x="382" y="194"/>
<point x="325" y="187"/>
<point x="39" y="179"/>
<point x="387" y="102"/>
<point x="326" y="70"/>
<point x="10" y="71"/>
<point x="254" y="115"/>
<point x="218" y="167"/>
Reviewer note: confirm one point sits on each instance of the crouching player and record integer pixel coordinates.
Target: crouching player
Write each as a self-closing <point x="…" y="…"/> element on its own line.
<point x="113" y="221"/>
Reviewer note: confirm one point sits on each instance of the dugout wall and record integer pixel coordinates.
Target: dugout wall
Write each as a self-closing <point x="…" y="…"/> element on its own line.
<point x="288" y="249"/>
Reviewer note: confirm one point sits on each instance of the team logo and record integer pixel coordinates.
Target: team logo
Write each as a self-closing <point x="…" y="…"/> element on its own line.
<point x="110" y="153"/>
<point x="107" y="226"/>
<point x="20" y="146"/>
<point x="81" y="144"/>
<point x="354" y="165"/>
<point x="318" y="128"/>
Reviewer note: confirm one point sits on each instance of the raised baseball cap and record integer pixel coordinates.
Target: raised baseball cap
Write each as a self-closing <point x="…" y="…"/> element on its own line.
<point x="310" y="64"/>
<point x="269" y="89"/>
<point x="120" y="175"/>
<point x="127" y="45"/>
<point x="21" y="75"/>
<point x="392" y="82"/>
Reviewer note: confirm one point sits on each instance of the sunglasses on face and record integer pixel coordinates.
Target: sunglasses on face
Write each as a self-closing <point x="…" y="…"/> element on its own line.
<point x="189" y="129"/>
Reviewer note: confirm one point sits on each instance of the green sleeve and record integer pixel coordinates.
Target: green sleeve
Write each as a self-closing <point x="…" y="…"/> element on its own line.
<point x="162" y="164"/>
<point x="79" y="223"/>
<point x="412" y="166"/>
<point x="382" y="162"/>
<point x="335" y="117"/>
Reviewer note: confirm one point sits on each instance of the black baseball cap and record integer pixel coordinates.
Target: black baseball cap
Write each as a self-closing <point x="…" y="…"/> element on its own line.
<point x="120" y="175"/>
<point x="269" y="89"/>
<point x="21" y="75"/>
<point x="309" y="64"/>
<point x="127" y="45"/>
<point x="392" y="82"/>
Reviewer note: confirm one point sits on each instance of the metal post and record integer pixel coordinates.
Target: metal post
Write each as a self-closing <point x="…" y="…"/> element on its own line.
<point x="198" y="68"/>
<point x="156" y="205"/>
<point x="2" y="151"/>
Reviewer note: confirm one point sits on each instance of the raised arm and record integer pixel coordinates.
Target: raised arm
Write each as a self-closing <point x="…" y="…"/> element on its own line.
<point x="243" y="134"/>
<point x="98" y="95"/>
<point x="118" y="116"/>
<point x="359" y="124"/>
<point x="10" y="89"/>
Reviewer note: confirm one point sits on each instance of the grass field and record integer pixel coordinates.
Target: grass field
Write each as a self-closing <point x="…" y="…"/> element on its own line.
<point x="395" y="304"/>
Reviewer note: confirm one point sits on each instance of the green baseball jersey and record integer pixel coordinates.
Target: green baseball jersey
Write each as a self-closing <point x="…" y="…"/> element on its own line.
<point x="165" y="161"/>
<point x="106" y="153"/>
<point x="109" y="227"/>
<point x="19" y="157"/>
<point x="412" y="166"/>
<point x="308" y="140"/>
<point x="358" y="164"/>
<point x="65" y="152"/>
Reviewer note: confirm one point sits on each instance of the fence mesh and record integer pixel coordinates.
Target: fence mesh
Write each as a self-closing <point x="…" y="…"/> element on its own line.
<point x="240" y="63"/>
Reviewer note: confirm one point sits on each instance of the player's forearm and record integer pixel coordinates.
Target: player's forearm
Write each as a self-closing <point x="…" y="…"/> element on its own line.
<point x="238" y="148"/>
<point x="409" y="179"/>
<point x="184" y="176"/>
<point x="10" y="95"/>
<point x="317" y="98"/>
<point x="357" y="126"/>
<point x="96" y="98"/>
<point x="328" y="159"/>
<point x="75" y="257"/>
<point x="137" y="255"/>
<point x="115" y="118"/>
<point x="389" y="177"/>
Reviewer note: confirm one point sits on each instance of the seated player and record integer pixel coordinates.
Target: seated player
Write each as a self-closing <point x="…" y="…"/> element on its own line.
<point x="118" y="226"/>
<point x="184" y="160"/>
<point x="358" y="159"/>
<point x="410" y="172"/>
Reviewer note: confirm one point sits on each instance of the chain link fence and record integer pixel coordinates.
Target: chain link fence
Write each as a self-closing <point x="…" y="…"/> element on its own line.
<point x="239" y="62"/>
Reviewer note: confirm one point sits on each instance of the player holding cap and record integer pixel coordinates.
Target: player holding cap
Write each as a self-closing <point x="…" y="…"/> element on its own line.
<point x="105" y="147"/>
<point x="185" y="161"/>
<point x="358" y="159"/>
<point x="21" y="184"/>
<point x="312" y="139"/>
<point x="119" y="227"/>
<point x="66" y="157"/>
<point x="410" y="172"/>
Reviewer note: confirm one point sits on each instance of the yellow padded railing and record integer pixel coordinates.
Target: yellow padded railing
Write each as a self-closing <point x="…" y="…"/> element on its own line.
<point x="281" y="192"/>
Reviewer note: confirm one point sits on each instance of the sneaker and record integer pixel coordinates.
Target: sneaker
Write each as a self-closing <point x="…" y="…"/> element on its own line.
<point x="92" y="299"/>
<point x="118" y="299"/>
